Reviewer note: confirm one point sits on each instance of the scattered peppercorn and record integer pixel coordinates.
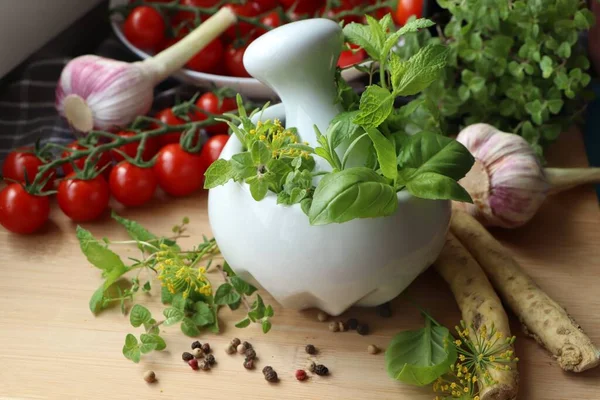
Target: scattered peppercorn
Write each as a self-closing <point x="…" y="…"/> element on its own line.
<point x="372" y="349"/>
<point x="342" y="326"/>
<point x="196" y="345"/>
<point x="241" y="349"/>
<point x="267" y="369"/>
<point x="385" y="310"/>
<point x="249" y="363"/>
<point x="230" y="349"/>
<point x="312" y="366"/>
<point x="205" y="365"/>
<point x="193" y="363"/>
<point x="352" y="323"/>
<point x="187" y="356"/>
<point x="210" y="359"/>
<point x="247" y="345"/>
<point x="206" y="348"/>
<point x="322" y="317"/>
<point x="235" y="342"/>
<point x="301" y="375"/>
<point x="271" y="376"/>
<point x="334" y="326"/>
<point x="197" y="353"/>
<point x="362" y="329"/>
<point x="321" y="370"/>
<point x="250" y="354"/>
<point x="310" y="349"/>
<point x="150" y="376"/>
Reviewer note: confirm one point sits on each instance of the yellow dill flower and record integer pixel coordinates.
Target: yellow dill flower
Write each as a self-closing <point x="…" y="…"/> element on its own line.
<point x="474" y="379"/>
<point x="476" y="398"/>
<point x="466" y="390"/>
<point x="462" y="357"/>
<point x="262" y="137"/>
<point x="492" y="358"/>
<point x="453" y="385"/>
<point x="253" y="131"/>
<point x="457" y="342"/>
<point x="479" y="357"/>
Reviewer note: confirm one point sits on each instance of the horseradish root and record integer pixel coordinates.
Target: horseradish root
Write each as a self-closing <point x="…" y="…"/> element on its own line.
<point x="481" y="308"/>
<point x="542" y="317"/>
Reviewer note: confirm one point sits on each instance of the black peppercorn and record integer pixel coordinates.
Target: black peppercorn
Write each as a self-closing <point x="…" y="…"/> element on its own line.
<point x="321" y="370"/>
<point x="247" y="345"/>
<point x="250" y="354"/>
<point x="249" y="364"/>
<point x="210" y="359"/>
<point x="196" y="345"/>
<point x="310" y="349"/>
<point x="205" y="365"/>
<point x="384" y="310"/>
<point x="271" y="376"/>
<point x="206" y="348"/>
<point x="267" y="369"/>
<point x="352" y="323"/>
<point x="362" y="329"/>
<point x="187" y="356"/>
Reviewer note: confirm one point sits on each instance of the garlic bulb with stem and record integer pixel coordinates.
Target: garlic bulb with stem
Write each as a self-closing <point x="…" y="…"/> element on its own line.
<point x="507" y="182"/>
<point x="100" y="93"/>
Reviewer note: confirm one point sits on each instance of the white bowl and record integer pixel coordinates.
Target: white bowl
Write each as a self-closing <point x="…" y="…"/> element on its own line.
<point x="245" y="86"/>
<point x="364" y="262"/>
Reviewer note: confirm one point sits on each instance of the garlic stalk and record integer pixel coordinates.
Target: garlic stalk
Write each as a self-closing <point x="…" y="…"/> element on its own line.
<point x="507" y="182"/>
<point x="100" y="93"/>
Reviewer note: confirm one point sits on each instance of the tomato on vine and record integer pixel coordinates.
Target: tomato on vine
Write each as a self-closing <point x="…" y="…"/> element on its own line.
<point x="145" y="28"/>
<point x="207" y="59"/>
<point x="23" y="161"/>
<point x="150" y="148"/>
<point x="211" y="103"/>
<point x="190" y="16"/>
<point x="406" y="9"/>
<point x="22" y="212"/>
<point x="178" y="172"/>
<point x="241" y="29"/>
<point x="103" y="162"/>
<point x="83" y="199"/>
<point x="212" y="150"/>
<point x="234" y="63"/>
<point x="351" y="57"/>
<point x="132" y="185"/>
<point x="265" y="5"/>
<point x="272" y="20"/>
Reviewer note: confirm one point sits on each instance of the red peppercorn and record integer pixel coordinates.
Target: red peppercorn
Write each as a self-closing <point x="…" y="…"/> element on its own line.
<point x="301" y="375"/>
<point x="194" y="364"/>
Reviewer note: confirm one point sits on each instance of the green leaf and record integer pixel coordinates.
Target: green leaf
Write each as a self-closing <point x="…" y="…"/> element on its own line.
<point x="420" y="357"/>
<point x="546" y="67"/>
<point x="131" y="349"/>
<point x="242" y="166"/>
<point x="96" y="253"/>
<point x="139" y="315"/>
<point x="189" y="328"/>
<point x="96" y="300"/>
<point x="151" y="327"/>
<point x="564" y="50"/>
<point x="172" y="315"/>
<point x="363" y="36"/>
<point x="259" y="189"/>
<point x="241" y="286"/>
<point x="214" y="328"/>
<point x="420" y="70"/>
<point x="228" y="270"/>
<point x="555" y="105"/>
<point x="352" y="193"/>
<point x="260" y="153"/>
<point x="269" y="311"/>
<point x="345" y="128"/>
<point x="430" y="185"/>
<point x="158" y="341"/>
<point x="138" y="232"/>
<point x="226" y="294"/>
<point x="146" y="288"/>
<point x="166" y="297"/>
<point x="476" y="84"/>
<point x="219" y="173"/>
<point x="178" y="302"/>
<point x="386" y="153"/>
<point x="415" y="24"/>
<point x="376" y="104"/>
<point x="266" y="326"/>
<point x="243" y="323"/>
<point x="203" y="315"/>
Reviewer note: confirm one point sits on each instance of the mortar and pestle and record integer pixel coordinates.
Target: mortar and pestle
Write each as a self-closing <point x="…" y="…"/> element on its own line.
<point x="363" y="262"/>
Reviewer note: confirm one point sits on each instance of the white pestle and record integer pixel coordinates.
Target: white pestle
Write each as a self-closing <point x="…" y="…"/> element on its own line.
<point x="298" y="62"/>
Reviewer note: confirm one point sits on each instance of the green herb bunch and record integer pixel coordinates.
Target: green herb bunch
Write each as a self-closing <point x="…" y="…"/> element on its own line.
<point x="516" y="65"/>
<point x="185" y="288"/>
<point x="373" y="150"/>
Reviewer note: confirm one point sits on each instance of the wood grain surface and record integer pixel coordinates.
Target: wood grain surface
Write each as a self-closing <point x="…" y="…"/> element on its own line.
<point x="52" y="347"/>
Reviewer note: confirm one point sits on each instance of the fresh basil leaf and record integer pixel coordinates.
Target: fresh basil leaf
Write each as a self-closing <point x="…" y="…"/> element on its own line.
<point x="429" y="185"/>
<point x="305" y="205"/>
<point x="139" y="315"/>
<point x="242" y="166"/>
<point x="203" y="314"/>
<point x="226" y="294"/>
<point x="243" y="323"/>
<point x="158" y="341"/>
<point x="131" y="349"/>
<point x="266" y="326"/>
<point x="376" y="104"/>
<point x="241" y="286"/>
<point x="172" y="315"/>
<point x="386" y="153"/>
<point x="352" y="193"/>
<point x="189" y="328"/>
<point x="219" y="173"/>
<point x="420" y="357"/>
<point x="345" y="128"/>
<point x="98" y="254"/>
<point x="260" y="153"/>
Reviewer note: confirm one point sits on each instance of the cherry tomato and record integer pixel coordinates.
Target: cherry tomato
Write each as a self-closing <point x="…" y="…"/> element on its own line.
<point x="132" y="185"/>
<point x="241" y="29"/>
<point x="349" y="57"/>
<point x="150" y="148"/>
<point x="271" y="20"/>
<point x="212" y="149"/>
<point x="22" y="212"/>
<point x="104" y="161"/>
<point x="406" y="9"/>
<point x="234" y="64"/>
<point x="265" y="5"/>
<point x="83" y="200"/>
<point x="347" y="5"/>
<point x="21" y="161"/>
<point x="190" y="16"/>
<point x="145" y="28"/>
<point x="169" y="118"/>
<point x="210" y="102"/>
<point x="302" y="6"/>
<point x="382" y="12"/>
<point x="208" y="58"/>
<point x="178" y="172"/>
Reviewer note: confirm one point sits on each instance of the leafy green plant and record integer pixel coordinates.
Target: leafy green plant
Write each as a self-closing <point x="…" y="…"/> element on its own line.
<point x="516" y="65"/>
<point x="373" y="150"/>
<point x="185" y="288"/>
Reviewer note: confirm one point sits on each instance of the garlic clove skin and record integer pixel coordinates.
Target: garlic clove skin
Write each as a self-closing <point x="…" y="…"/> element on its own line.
<point x="99" y="93"/>
<point x="507" y="182"/>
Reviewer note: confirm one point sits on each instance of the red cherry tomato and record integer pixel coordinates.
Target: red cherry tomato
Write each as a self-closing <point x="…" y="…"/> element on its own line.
<point x="347" y="5"/>
<point x="208" y="58"/>
<point x="178" y="172"/>
<point x="104" y="161"/>
<point x="22" y="212"/>
<point x="271" y="20"/>
<point x="168" y="118"/>
<point x="210" y="102"/>
<point x="234" y="64"/>
<point x="83" y="200"/>
<point x="190" y="16"/>
<point x="150" y="148"/>
<point x="265" y="5"/>
<point x="21" y="161"/>
<point x="349" y="57"/>
<point x="145" y="28"/>
<point x="406" y="9"/>
<point x="212" y="149"/>
<point x="241" y="29"/>
<point x="131" y="185"/>
<point x="302" y="6"/>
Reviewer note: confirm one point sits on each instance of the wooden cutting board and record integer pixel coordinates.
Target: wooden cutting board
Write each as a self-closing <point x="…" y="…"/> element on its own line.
<point x="52" y="347"/>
